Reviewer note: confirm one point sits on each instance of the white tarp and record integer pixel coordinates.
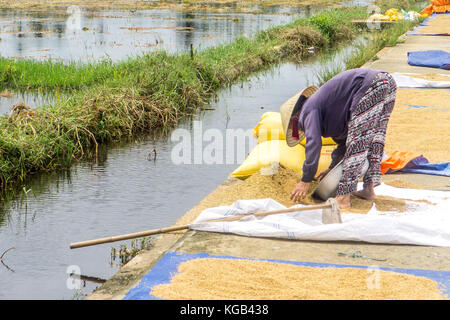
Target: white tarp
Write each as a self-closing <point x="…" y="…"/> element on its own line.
<point x="405" y="81"/>
<point x="424" y="223"/>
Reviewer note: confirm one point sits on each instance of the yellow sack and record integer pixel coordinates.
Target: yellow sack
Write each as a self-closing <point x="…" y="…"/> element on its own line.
<point x="270" y="128"/>
<point x="266" y="156"/>
<point x="391" y="12"/>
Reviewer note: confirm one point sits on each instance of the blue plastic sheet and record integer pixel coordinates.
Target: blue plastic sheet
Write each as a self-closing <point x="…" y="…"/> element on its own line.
<point x="439" y="169"/>
<point x="430" y="58"/>
<point x="167" y="267"/>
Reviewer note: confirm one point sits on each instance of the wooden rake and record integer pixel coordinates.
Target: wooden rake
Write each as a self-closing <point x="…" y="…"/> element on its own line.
<point x="330" y="214"/>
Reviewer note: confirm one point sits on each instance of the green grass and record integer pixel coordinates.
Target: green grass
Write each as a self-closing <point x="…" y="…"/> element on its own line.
<point x="115" y="102"/>
<point x="379" y="40"/>
<point x="26" y="74"/>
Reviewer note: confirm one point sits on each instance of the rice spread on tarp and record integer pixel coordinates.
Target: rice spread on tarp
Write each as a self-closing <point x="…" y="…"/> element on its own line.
<point x="437" y="25"/>
<point x="430" y="76"/>
<point x="419" y="123"/>
<point x="231" y="279"/>
<point x="280" y="185"/>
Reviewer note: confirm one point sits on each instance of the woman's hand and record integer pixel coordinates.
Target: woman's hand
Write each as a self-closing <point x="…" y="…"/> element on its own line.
<point x="300" y="191"/>
<point x="323" y="174"/>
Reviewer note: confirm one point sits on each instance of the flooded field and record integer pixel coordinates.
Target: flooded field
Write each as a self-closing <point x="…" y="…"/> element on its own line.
<point x="88" y="36"/>
<point x="126" y="191"/>
<point x="80" y="35"/>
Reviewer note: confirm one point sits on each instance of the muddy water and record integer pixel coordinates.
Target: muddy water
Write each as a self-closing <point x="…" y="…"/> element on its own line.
<point x="82" y="35"/>
<point x="124" y="192"/>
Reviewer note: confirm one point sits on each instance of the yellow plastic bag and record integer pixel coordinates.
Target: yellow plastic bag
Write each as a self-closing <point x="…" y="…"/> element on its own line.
<point x="266" y="156"/>
<point x="270" y="128"/>
<point x="394" y="15"/>
<point x="391" y="12"/>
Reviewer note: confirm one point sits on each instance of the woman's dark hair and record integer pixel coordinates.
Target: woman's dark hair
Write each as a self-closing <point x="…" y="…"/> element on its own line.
<point x="298" y="105"/>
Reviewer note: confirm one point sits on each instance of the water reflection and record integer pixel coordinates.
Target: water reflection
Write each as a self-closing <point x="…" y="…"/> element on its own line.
<point x="31" y="99"/>
<point x="88" y="35"/>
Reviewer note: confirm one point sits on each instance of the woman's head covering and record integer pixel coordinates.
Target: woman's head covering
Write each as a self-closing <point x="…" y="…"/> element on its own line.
<point x="290" y="111"/>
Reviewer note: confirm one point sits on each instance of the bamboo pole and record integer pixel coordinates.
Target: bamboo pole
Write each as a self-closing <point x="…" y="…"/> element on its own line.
<point x="126" y="236"/>
<point x="183" y="227"/>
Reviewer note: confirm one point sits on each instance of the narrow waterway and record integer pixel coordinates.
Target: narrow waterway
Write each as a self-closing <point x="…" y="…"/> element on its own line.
<point x="83" y="35"/>
<point x="126" y="191"/>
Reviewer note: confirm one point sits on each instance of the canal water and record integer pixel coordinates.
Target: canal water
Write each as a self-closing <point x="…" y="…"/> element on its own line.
<point x="127" y="191"/>
<point x="82" y="35"/>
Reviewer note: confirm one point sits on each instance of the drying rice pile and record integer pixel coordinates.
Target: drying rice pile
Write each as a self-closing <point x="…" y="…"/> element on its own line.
<point x="225" y="279"/>
<point x="398" y="183"/>
<point x="423" y="130"/>
<point x="279" y="187"/>
<point x="440" y="24"/>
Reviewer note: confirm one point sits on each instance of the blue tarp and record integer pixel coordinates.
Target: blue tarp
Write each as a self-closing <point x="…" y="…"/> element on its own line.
<point x="430" y="58"/>
<point x="439" y="169"/>
<point x="167" y="267"/>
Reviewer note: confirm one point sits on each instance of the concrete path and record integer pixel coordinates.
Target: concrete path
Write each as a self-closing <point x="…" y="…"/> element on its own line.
<point x="395" y="59"/>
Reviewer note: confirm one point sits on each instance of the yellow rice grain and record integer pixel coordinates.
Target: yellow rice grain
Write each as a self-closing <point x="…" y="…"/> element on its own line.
<point x="440" y="24"/>
<point x="225" y="279"/>
<point x="420" y="130"/>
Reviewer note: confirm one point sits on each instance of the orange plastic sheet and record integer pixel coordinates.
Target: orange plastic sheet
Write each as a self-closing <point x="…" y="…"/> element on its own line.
<point x="428" y="10"/>
<point x="437" y="6"/>
<point x="397" y="161"/>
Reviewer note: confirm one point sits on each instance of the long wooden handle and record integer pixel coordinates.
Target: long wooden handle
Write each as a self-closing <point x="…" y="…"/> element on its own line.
<point x="183" y="227"/>
<point x="126" y="236"/>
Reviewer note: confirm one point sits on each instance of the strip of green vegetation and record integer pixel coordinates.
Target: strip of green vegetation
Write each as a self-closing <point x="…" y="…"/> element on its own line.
<point x="136" y="96"/>
<point x="25" y="74"/>
<point x="388" y="37"/>
<point x="385" y="38"/>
